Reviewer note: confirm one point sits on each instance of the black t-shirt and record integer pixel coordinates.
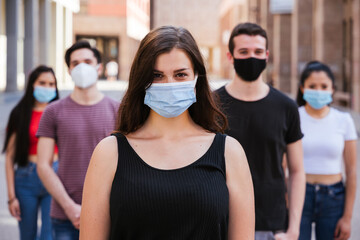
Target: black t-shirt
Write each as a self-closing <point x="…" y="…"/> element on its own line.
<point x="264" y="128"/>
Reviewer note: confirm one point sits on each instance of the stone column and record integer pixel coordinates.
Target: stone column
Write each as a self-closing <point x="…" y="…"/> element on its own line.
<point x="263" y="13"/>
<point x="44" y="31"/>
<point x="305" y="28"/>
<point x="1" y="12"/>
<point x="318" y="30"/>
<point x="68" y="39"/>
<point x="12" y="23"/>
<point x="356" y="56"/>
<point x="59" y="43"/>
<point x="284" y="52"/>
<point x="31" y="51"/>
<point x="276" y="51"/>
<point x="294" y="50"/>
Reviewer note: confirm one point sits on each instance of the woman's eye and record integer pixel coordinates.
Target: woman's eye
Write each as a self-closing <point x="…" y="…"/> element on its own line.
<point x="181" y="75"/>
<point x="157" y="76"/>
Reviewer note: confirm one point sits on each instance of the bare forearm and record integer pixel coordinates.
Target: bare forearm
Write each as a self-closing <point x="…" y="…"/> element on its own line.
<point x="9" y="167"/>
<point x="10" y="178"/>
<point x="296" y="199"/>
<point x="47" y="175"/>
<point x="53" y="185"/>
<point x="350" y="194"/>
<point x="350" y="170"/>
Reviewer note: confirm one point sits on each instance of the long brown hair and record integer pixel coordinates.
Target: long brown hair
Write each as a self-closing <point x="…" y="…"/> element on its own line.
<point x="133" y="112"/>
<point x="20" y="117"/>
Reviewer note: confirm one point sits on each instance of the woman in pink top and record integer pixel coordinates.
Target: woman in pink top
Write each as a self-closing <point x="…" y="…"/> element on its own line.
<point x="26" y="193"/>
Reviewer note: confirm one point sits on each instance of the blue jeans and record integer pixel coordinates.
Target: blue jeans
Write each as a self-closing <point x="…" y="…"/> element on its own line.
<point x="32" y="195"/>
<point x="324" y="205"/>
<point x="64" y="230"/>
<point x="264" y="235"/>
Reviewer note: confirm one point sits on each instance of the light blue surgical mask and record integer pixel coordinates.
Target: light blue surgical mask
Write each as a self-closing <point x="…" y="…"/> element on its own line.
<point x="171" y="99"/>
<point x="44" y="94"/>
<point x="317" y="98"/>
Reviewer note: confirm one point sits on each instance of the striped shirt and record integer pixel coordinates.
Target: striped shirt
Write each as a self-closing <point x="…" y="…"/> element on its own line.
<point x="77" y="129"/>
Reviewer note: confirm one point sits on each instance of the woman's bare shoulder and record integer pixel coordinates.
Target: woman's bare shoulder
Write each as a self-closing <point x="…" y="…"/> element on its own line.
<point x="234" y="153"/>
<point x="232" y="145"/>
<point x="106" y="151"/>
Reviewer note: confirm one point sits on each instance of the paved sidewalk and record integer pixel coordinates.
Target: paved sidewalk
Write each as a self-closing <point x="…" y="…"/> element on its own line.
<point x="8" y="225"/>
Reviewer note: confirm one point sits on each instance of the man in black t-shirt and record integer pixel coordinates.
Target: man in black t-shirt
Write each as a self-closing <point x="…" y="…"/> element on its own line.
<point x="266" y="123"/>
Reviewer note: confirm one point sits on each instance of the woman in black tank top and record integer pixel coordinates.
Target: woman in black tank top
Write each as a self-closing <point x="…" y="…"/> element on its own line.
<point x="167" y="172"/>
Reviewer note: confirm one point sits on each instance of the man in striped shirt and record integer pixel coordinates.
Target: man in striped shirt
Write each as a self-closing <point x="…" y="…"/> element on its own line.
<point x="76" y="124"/>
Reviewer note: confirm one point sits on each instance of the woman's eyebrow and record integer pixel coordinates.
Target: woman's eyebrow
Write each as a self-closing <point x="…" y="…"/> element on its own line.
<point x="182" y="69"/>
<point x="178" y="70"/>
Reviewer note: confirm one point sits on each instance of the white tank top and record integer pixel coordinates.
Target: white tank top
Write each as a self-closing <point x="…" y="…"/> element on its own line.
<point x="324" y="140"/>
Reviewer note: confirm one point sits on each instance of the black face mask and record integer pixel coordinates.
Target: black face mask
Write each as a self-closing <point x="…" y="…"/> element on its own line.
<point x="249" y="69"/>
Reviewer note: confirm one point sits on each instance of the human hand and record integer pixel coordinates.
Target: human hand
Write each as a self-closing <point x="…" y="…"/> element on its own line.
<point x="286" y="236"/>
<point x="73" y="213"/>
<point x="343" y="229"/>
<point x="14" y="209"/>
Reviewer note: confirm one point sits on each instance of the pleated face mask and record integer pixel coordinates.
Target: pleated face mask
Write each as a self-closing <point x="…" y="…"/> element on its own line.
<point x="317" y="98"/>
<point x="44" y="94"/>
<point x="171" y="99"/>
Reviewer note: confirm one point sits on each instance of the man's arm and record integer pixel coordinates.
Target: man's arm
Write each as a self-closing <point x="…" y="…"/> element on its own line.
<point x="51" y="181"/>
<point x="296" y="189"/>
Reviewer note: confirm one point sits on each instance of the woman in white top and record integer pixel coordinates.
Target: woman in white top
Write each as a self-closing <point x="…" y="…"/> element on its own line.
<point x="329" y="141"/>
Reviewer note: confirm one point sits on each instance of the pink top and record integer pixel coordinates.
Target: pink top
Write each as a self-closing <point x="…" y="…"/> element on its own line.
<point x="34" y="124"/>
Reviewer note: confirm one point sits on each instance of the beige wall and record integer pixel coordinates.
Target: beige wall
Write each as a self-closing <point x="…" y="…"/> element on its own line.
<point x="200" y="17"/>
<point x="231" y="13"/>
<point x="109" y="26"/>
<point x="325" y="30"/>
<point x="97" y="18"/>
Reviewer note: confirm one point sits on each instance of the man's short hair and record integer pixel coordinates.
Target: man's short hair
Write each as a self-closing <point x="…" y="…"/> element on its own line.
<point x="247" y="28"/>
<point x="79" y="45"/>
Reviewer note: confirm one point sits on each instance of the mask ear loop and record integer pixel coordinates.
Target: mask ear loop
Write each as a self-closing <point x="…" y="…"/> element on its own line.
<point x="195" y="80"/>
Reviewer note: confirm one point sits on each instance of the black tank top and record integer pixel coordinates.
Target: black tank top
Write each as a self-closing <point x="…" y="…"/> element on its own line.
<point x="191" y="202"/>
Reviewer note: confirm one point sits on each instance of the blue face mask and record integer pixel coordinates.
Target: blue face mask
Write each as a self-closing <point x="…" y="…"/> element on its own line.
<point x="44" y="94"/>
<point x="317" y="99"/>
<point x="171" y="99"/>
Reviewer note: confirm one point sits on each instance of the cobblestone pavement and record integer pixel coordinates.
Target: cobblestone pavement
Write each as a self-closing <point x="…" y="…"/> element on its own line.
<point x="8" y="225"/>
